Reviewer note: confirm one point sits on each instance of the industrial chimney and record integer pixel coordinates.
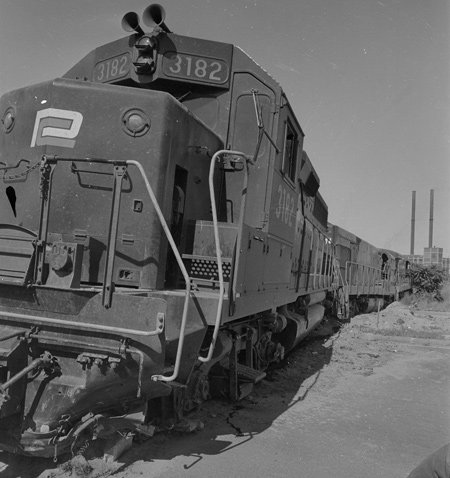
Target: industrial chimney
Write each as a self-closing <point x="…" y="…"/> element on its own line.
<point x="430" y="237"/>
<point x="413" y="221"/>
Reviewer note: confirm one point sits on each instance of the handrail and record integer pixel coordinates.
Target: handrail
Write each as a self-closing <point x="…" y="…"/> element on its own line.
<point x="345" y="287"/>
<point x="88" y="325"/>
<point x="370" y="272"/>
<point x="45" y="186"/>
<point x="170" y="378"/>
<point x="321" y="280"/>
<point x="237" y="255"/>
<point x="217" y="241"/>
<point x="119" y="174"/>
<point x="117" y="163"/>
<point x="329" y="267"/>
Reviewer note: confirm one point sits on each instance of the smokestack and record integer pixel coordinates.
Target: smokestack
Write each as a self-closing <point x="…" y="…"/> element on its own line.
<point x="430" y="237"/>
<point x="413" y="221"/>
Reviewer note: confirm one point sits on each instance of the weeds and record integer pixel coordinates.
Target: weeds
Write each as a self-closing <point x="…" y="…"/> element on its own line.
<point x="427" y="279"/>
<point x="430" y="290"/>
<point x="428" y="301"/>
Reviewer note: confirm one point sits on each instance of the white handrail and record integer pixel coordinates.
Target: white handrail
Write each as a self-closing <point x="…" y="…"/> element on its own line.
<point x="170" y="378"/>
<point x="218" y="251"/>
<point x="87" y="325"/>
<point x="177" y="257"/>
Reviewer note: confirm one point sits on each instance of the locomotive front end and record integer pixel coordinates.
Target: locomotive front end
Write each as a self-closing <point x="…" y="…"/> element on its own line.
<point x="89" y="173"/>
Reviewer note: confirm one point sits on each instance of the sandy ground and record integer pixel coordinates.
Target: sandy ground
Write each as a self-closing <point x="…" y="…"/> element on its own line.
<point x="366" y="398"/>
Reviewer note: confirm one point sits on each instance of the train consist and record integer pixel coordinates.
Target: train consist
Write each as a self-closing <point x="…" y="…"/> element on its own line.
<point x="162" y="239"/>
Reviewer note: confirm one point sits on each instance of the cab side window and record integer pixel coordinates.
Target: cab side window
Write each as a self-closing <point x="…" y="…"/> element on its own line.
<point x="290" y="152"/>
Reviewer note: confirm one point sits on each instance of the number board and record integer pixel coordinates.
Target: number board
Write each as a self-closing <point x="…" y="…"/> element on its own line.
<point x="196" y="68"/>
<point x="112" y="68"/>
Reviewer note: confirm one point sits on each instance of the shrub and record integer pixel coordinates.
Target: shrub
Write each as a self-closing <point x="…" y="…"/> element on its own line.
<point x="427" y="280"/>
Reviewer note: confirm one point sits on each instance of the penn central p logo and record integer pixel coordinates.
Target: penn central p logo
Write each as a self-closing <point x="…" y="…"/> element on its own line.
<point x="55" y="127"/>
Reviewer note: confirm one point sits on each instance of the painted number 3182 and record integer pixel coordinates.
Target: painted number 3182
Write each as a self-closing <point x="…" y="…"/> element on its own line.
<point x="194" y="67"/>
<point x="285" y="207"/>
<point x="112" y="68"/>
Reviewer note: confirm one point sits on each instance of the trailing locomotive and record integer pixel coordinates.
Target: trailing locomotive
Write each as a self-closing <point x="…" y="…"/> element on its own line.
<point x="369" y="277"/>
<point x="162" y="237"/>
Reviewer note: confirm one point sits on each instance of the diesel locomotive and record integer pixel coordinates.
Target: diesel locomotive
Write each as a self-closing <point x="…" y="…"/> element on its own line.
<point x="162" y="238"/>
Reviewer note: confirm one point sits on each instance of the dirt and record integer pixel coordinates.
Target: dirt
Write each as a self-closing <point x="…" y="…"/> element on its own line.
<point x="334" y="351"/>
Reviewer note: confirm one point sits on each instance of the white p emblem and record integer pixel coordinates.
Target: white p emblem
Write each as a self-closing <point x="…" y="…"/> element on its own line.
<point x="56" y="128"/>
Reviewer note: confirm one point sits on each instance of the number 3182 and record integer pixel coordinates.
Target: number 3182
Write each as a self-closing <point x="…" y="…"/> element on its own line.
<point x="189" y="66"/>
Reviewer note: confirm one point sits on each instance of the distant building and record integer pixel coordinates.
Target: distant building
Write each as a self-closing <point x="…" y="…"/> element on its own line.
<point x="432" y="257"/>
<point x="415" y="259"/>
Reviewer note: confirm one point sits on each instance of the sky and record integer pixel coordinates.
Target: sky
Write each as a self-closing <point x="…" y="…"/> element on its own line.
<point x="369" y="81"/>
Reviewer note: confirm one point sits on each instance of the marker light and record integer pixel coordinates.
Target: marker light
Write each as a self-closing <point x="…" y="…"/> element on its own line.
<point x="135" y="122"/>
<point x="8" y="120"/>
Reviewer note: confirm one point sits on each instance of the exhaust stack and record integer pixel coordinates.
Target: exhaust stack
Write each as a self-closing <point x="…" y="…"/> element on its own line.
<point x="430" y="236"/>
<point x="413" y="221"/>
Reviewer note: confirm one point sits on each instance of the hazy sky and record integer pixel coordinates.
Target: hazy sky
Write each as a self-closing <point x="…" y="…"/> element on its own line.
<point x="368" y="79"/>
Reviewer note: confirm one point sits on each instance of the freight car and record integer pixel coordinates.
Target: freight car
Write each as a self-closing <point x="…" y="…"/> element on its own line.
<point x="162" y="237"/>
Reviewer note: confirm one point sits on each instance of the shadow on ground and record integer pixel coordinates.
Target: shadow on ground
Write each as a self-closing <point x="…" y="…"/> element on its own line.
<point x="226" y="425"/>
<point x="230" y="425"/>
